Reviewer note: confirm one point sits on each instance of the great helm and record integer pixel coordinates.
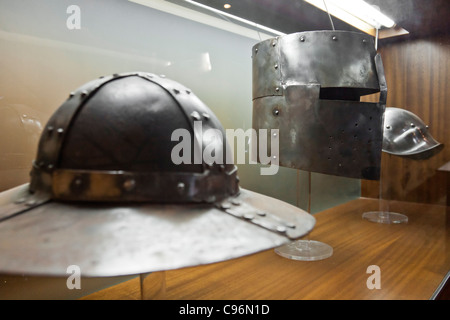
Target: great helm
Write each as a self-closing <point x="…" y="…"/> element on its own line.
<point x="308" y="86"/>
<point x="406" y="135"/>
<point x="105" y="194"/>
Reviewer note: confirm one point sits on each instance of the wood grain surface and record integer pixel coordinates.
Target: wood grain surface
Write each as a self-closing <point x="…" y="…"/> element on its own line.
<point x="413" y="259"/>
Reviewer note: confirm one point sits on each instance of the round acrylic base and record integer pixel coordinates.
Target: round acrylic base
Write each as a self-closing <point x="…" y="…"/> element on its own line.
<point x="305" y="250"/>
<point x="385" y="217"/>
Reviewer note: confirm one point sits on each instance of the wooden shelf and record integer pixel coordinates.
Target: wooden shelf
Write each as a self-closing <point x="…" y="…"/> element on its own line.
<point x="413" y="258"/>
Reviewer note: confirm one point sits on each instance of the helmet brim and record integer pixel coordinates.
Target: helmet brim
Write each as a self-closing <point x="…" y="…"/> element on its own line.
<point x="123" y="239"/>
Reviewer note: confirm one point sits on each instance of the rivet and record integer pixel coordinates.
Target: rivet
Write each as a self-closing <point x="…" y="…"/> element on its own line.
<point x="412" y="125"/>
<point x="222" y="167"/>
<point x="60" y="131"/>
<point x="388" y="127"/>
<point x="290" y="225"/>
<point x="71" y="94"/>
<point x="276" y="66"/>
<point x="276" y="112"/>
<point x="256" y="50"/>
<point x="195" y="115"/>
<point x="19" y="201"/>
<point x="50" y="167"/>
<point x="302" y="39"/>
<point x="30" y="202"/>
<point x="334" y="38"/>
<point x="181" y="187"/>
<point x="277" y="89"/>
<point x="281" y="228"/>
<point x="162" y="75"/>
<point x="129" y="184"/>
<point x="261" y="213"/>
<point x="50" y="129"/>
<point x="274" y="44"/>
<point x="274" y="157"/>
<point x="427" y="127"/>
<point x="248" y="216"/>
<point x="274" y="134"/>
<point x="188" y="91"/>
<point x="115" y="75"/>
<point x="84" y="93"/>
<point x="236" y="202"/>
<point x="225" y="205"/>
<point x="364" y="40"/>
<point x="176" y="91"/>
<point x="205" y="115"/>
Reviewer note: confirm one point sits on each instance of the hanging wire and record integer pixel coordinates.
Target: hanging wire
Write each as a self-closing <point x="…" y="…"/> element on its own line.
<point x="376" y="40"/>
<point x="329" y="16"/>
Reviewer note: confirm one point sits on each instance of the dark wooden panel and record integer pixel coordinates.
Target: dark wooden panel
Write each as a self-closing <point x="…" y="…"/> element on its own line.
<point x="417" y="75"/>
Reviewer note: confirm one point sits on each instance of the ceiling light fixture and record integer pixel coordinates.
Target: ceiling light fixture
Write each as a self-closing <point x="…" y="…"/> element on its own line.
<point x="227" y="6"/>
<point x="357" y="13"/>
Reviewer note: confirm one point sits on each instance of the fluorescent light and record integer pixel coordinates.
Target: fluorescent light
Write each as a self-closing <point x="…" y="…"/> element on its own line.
<point x="357" y="13"/>
<point x="244" y="28"/>
<point x="365" y="12"/>
<point x="247" y="22"/>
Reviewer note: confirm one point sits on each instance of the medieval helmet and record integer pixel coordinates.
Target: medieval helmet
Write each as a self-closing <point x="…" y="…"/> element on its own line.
<point x="406" y="135"/>
<point x="106" y="195"/>
<point x="308" y="86"/>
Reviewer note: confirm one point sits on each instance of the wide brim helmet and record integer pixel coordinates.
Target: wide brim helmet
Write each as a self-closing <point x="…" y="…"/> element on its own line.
<point x="105" y="196"/>
<point x="406" y="135"/>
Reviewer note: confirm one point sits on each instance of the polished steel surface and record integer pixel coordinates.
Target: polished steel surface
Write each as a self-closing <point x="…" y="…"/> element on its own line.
<point x="110" y="240"/>
<point x="406" y="135"/>
<point x="308" y="86"/>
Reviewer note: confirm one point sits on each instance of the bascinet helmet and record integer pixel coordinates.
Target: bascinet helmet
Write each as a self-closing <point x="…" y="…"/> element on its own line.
<point x="105" y="194"/>
<point x="406" y="135"/>
<point x="308" y="85"/>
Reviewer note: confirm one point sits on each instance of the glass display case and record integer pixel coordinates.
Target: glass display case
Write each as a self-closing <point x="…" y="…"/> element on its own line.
<point x="49" y="48"/>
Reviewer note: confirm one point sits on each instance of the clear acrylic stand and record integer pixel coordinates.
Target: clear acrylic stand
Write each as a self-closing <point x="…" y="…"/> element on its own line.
<point x="306" y="250"/>
<point x="384" y="215"/>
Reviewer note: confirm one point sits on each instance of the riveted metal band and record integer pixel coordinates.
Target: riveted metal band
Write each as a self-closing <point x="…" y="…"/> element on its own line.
<point x="120" y="186"/>
<point x="333" y="59"/>
<point x="245" y="211"/>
